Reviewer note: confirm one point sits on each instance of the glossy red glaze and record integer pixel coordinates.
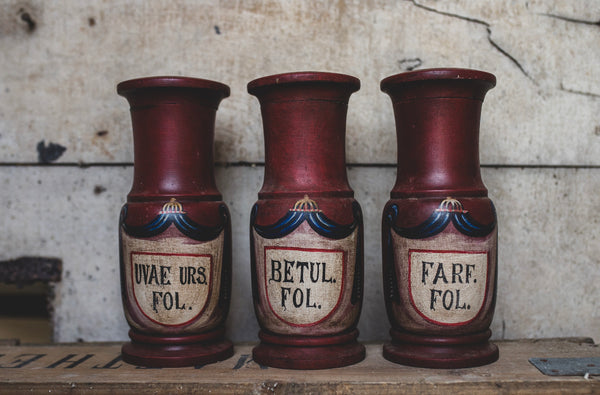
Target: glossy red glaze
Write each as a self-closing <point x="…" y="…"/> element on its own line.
<point x="441" y="353"/>
<point x="175" y="232"/>
<point x="437" y="124"/>
<point x="309" y="354"/>
<point x="177" y="352"/>
<point x="163" y="108"/>
<point x="304" y="119"/>
<point x="439" y="223"/>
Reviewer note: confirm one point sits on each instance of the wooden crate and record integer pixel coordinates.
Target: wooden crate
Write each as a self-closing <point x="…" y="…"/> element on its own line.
<point x="97" y="368"/>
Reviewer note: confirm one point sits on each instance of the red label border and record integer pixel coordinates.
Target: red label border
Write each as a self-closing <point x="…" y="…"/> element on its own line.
<point x="210" y="284"/>
<point x="339" y="301"/>
<point x="487" y="284"/>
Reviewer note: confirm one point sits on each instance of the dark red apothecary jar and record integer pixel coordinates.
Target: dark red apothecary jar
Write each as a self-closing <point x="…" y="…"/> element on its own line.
<point x="439" y="229"/>
<point x="306" y="231"/>
<point x="175" y="232"/>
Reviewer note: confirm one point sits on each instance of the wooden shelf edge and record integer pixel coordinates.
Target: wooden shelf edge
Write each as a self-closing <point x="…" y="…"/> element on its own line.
<point x="97" y="368"/>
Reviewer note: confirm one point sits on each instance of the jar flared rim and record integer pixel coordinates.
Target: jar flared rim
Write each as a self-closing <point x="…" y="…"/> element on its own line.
<point x="438" y="74"/>
<point x="172" y="82"/>
<point x="304" y="77"/>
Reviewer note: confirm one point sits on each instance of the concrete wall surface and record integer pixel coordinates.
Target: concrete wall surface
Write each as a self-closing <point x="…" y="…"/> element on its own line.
<point x="539" y="143"/>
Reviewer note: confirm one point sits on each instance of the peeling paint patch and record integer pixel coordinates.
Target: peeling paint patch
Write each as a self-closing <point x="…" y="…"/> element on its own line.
<point x="409" y="64"/>
<point x="28" y="19"/>
<point x="49" y="153"/>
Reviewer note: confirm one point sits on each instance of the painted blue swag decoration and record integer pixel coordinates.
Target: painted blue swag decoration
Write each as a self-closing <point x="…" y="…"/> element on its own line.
<point x="172" y="214"/>
<point x="449" y="210"/>
<point x="306" y="210"/>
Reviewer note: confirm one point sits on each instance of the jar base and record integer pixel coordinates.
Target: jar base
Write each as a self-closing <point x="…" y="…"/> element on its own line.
<point x="308" y="352"/>
<point x="179" y="351"/>
<point x="441" y="352"/>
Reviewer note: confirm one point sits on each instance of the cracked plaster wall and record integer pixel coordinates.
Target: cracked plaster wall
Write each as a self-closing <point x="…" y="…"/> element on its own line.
<point x="540" y="133"/>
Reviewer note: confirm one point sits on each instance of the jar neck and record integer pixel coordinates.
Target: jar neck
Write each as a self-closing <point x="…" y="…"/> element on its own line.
<point x="304" y="131"/>
<point x="437" y="126"/>
<point x="173" y="133"/>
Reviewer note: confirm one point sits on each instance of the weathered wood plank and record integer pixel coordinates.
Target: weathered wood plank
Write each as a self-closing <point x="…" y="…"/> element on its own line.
<point x="64" y="59"/>
<point x="89" y="368"/>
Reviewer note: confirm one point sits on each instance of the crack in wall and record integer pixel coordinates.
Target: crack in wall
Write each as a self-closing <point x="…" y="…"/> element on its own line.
<point x="572" y="20"/>
<point x="464" y="18"/>
<point x="489" y="34"/>
<point x="509" y="56"/>
<point x="574" y="91"/>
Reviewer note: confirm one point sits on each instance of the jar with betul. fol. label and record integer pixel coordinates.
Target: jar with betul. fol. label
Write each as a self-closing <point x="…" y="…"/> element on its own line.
<point x="306" y="230"/>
